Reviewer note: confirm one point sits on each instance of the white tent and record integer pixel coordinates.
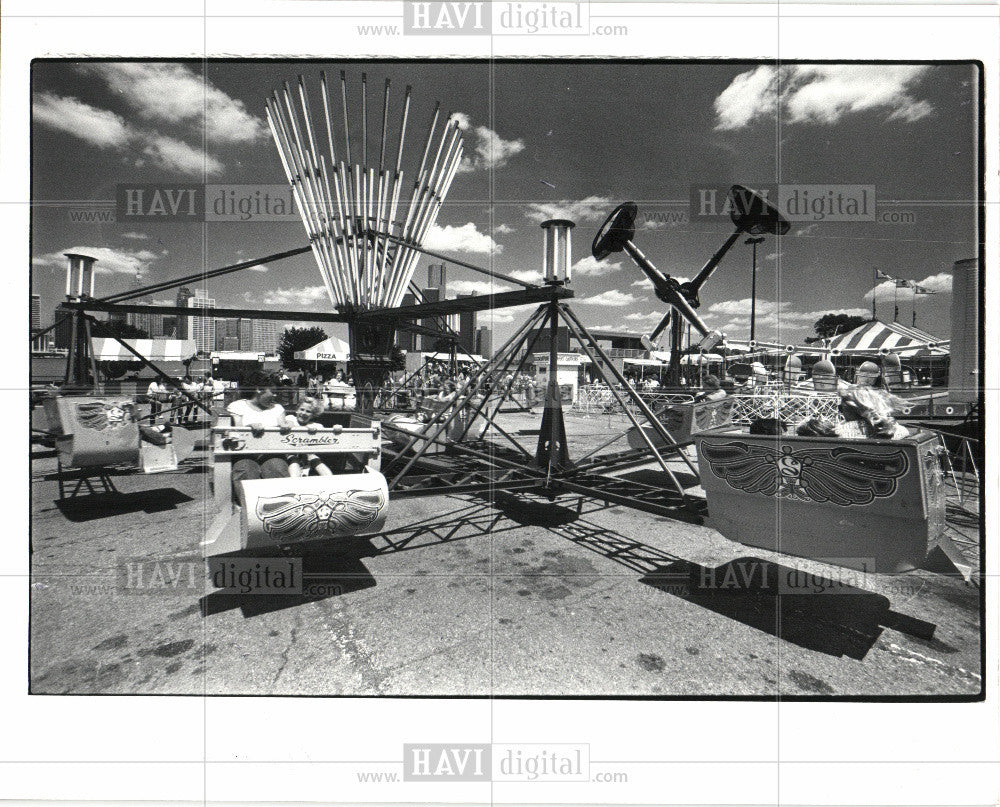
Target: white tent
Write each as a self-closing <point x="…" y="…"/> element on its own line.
<point x="106" y="349"/>
<point x="332" y="349"/>
<point x="701" y="358"/>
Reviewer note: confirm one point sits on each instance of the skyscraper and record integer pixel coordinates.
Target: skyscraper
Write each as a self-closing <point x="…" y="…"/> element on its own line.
<point x="202" y="329"/>
<point x="437" y="278"/>
<point x="36" y="312"/>
<point x="431" y="295"/>
<point x="407" y="340"/>
<point x="183" y="324"/>
<point x="467" y="328"/>
<point x="245" y="334"/>
<point x="266" y="333"/>
<point x="150" y="323"/>
<point x="484" y="342"/>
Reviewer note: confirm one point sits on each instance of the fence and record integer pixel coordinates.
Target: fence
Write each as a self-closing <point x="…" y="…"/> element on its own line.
<point x="790" y="409"/>
<point x="598" y="399"/>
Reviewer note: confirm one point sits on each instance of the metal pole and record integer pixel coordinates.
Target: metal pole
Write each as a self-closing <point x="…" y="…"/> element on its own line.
<point x="570" y="317"/>
<point x="628" y="413"/>
<point x="432" y="436"/>
<point x="753" y="286"/>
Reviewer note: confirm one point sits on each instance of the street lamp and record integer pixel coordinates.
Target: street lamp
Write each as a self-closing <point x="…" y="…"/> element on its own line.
<point x="753" y="286"/>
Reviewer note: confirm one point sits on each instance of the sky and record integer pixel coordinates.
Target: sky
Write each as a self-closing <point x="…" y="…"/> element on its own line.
<point x="544" y="140"/>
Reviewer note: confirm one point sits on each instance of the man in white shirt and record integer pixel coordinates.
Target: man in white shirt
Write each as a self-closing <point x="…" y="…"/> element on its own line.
<point x="259" y="411"/>
<point x="157" y="394"/>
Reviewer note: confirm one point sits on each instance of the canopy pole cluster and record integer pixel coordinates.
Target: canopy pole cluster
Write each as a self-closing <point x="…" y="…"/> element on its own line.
<point x="348" y="208"/>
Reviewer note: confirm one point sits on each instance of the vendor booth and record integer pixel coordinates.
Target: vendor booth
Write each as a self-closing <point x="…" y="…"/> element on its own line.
<point x="567" y="374"/>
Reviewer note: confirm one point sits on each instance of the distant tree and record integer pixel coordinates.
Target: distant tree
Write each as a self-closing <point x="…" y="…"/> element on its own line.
<point x="398" y="358"/>
<point x="296" y="339"/>
<point x="830" y="325"/>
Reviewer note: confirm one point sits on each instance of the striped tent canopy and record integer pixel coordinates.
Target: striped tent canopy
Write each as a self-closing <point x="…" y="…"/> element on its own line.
<point x="900" y="339"/>
<point x="152" y="349"/>
<point x="331" y="349"/>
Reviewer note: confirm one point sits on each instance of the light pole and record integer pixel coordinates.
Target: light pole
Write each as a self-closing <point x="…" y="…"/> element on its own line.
<point x="753" y="286"/>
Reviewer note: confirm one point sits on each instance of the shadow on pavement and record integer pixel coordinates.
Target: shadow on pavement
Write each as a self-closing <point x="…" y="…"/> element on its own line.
<point x="324" y="575"/>
<point x="807" y="609"/>
<point x="87" y="507"/>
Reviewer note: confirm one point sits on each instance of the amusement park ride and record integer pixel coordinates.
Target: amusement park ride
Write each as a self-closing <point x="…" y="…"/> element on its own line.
<point x="366" y="235"/>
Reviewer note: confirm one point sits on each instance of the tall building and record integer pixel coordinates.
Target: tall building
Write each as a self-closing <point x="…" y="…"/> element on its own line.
<point x="182" y="325"/>
<point x="245" y="333"/>
<point x="63" y="329"/>
<point x="431" y="295"/>
<point x="227" y="332"/>
<point x="150" y="323"/>
<point x="437" y="278"/>
<point x="202" y="329"/>
<point x="407" y="340"/>
<point x="467" y="328"/>
<point x="484" y="342"/>
<point x="167" y="326"/>
<point x="36" y="312"/>
<point x="266" y="333"/>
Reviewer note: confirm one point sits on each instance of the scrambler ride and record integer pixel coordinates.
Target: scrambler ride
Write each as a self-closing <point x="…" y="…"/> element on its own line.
<point x="833" y="500"/>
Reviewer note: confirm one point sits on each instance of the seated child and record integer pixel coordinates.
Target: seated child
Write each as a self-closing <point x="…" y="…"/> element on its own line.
<point x="301" y="464"/>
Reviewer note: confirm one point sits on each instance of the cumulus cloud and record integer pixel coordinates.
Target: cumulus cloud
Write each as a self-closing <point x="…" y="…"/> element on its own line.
<point x="527" y="275"/>
<point x="158" y="94"/>
<point x="588" y="209"/>
<point x="639" y="320"/>
<point x="485" y="149"/>
<point x="733" y="316"/>
<point x="504" y="316"/>
<point x="821" y="94"/>
<point x="612" y="299"/>
<point x="173" y="93"/>
<point x="175" y="155"/>
<point x="463" y="120"/>
<point x="109" y="261"/>
<point x="106" y="130"/>
<point x="503" y="229"/>
<point x="591" y="266"/>
<point x="477" y="287"/>
<point x="99" y="127"/>
<point x="305" y="296"/>
<point x="465" y="238"/>
<point x="887" y="291"/>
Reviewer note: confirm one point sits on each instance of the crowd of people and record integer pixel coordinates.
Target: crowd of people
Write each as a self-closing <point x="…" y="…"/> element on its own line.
<point x="179" y="402"/>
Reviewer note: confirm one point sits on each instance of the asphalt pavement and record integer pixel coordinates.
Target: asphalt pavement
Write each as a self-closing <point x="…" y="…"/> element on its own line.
<point x="475" y="594"/>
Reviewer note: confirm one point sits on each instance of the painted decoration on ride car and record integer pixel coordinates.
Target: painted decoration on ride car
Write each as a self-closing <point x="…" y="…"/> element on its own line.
<point x="841" y="475"/>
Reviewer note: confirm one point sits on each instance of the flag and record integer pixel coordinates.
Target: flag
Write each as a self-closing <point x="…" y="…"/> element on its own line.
<point x="903" y="284"/>
<point x="922" y="290"/>
<point x="880" y="275"/>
